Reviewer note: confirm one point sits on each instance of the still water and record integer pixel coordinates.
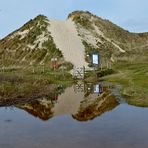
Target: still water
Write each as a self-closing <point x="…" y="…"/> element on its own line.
<point x="81" y="116"/>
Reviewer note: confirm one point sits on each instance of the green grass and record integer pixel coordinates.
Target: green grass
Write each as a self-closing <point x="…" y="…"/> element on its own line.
<point x="20" y="83"/>
<point x="134" y="81"/>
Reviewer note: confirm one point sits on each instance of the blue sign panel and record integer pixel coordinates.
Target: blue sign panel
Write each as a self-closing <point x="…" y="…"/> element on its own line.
<point x="95" y="59"/>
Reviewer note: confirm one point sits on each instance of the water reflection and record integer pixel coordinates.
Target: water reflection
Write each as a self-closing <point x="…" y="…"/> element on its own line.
<point x="83" y="101"/>
<point x="118" y="128"/>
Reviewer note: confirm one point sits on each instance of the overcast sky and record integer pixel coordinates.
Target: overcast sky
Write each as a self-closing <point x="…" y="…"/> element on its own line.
<point x="129" y="14"/>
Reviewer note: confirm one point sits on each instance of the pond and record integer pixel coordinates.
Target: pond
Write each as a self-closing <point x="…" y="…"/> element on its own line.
<point x="83" y="115"/>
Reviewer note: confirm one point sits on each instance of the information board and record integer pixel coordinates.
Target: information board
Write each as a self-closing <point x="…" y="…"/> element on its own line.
<point x="95" y="59"/>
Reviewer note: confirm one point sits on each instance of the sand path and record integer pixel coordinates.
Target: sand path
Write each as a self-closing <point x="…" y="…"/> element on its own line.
<point x="67" y="40"/>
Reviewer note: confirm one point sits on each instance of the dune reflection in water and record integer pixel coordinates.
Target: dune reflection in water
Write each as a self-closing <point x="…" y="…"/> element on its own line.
<point x="82" y="101"/>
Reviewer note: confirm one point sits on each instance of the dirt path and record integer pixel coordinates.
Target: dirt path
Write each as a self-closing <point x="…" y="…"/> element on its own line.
<point x="67" y="40"/>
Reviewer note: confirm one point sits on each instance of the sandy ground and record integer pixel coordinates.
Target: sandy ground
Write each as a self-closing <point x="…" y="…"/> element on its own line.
<point x="67" y="40"/>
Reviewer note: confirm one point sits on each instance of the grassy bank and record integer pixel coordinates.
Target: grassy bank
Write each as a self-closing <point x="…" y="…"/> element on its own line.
<point x="134" y="81"/>
<point x="31" y="83"/>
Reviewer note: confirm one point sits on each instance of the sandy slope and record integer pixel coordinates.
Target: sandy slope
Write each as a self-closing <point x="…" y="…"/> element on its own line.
<point x="67" y="40"/>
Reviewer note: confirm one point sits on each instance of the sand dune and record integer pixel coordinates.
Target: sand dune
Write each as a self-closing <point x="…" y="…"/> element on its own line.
<point x="67" y="40"/>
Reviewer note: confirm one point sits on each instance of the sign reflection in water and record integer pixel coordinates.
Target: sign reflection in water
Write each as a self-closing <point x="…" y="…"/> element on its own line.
<point x="97" y="89"/>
